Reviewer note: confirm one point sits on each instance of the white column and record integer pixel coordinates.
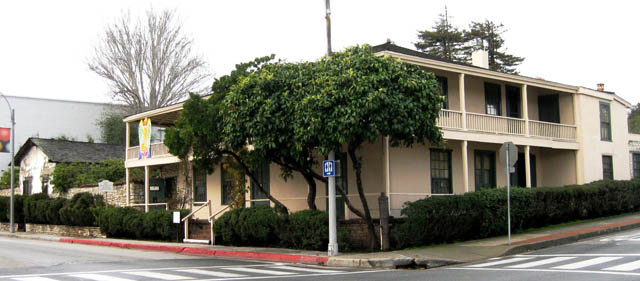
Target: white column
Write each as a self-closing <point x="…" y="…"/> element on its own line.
<point x="128" y="140"/>
<point x="527" y="165"/>
<point x="525" y="109"/>
<point x="387" y="169"/>
<point x="462" y="100"/>
<point x="126" y="182"/>
<point x="465" y="166"/>
<point x="146" y="189"/>
<point x="580" y="152"/>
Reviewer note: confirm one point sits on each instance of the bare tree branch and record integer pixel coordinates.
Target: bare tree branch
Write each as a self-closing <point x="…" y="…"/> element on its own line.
<point x="148" y="65"/>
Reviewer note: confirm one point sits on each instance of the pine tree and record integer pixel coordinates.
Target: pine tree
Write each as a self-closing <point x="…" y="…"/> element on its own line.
<point x="443" y="41"/>
<point x="488" y="36"/>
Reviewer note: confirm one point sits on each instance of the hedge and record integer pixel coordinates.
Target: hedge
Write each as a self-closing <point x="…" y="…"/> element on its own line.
<point x="131" y="223"/>
<point x="264" y="226"/>
<point x="81" y="209"/>
<point x="481" y="214"/>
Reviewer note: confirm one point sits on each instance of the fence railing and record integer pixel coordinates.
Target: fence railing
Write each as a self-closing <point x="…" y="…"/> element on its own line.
<point x="157" y="149"/>
<point x="495" y="124"/>
<point x="552" y="130"/>
<point x="450" y="119"/>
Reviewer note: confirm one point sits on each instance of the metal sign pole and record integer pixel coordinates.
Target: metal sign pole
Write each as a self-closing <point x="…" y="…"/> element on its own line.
<point x="508" y="196"/>
<point x="333" y="237"/>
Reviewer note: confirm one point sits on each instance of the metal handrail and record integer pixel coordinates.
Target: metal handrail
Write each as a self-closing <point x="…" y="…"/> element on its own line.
<point x="196" y="210"/>
<point x="218" y="212"/>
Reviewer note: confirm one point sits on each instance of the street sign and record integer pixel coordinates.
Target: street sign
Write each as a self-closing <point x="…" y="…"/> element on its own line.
<point x="105" y="186"/>
<point x="513" y="154"/>
<point x="328" y="168"/>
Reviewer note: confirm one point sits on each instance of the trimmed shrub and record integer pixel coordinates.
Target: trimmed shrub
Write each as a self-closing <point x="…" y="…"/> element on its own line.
<point x="128" y="222"/>
<point x="4" y="209"/>
<point x="481" y="214"/>
<point x="306" y="229"/>
<point x="255" y="226"/>
<point x="81" y="209"/>
<point x="35" y="208"/>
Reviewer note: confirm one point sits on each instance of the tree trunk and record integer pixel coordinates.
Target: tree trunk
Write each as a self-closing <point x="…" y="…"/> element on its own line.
<point x="311" y="195"/>
<point x="357" y="166"/>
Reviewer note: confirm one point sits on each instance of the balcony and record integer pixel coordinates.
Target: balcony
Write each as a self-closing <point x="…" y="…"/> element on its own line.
<point x="450" y="119"/>
<point x="157" y="150"/>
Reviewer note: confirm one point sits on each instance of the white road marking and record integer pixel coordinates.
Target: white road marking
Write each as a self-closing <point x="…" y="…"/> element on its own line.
<point x="582" y="255"/>
<point x="260" y="271"/>
<point x="211" y="273"/>
<point x="551" y="270"/>
<point x="99" y="277"/>
<point x="157" y="275"/>
<point x="625" y="266"/>
<point x="589" y="262"/>
<point x="541" y="262"/>
<point x="303" y="269"/>
<point x="511" y="260"/>
<point x="34" y="279"/>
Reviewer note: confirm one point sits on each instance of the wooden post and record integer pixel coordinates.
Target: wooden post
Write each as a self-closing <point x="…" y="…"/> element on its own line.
<point x="465" y="166"/>
<point x="527" y="165"/>
<point x="146" y="189"/>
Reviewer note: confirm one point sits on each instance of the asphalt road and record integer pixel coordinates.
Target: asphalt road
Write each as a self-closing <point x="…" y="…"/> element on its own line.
<point x="613" y="257"/>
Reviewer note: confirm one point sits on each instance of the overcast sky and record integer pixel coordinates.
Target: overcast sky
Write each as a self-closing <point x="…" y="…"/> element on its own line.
<point x="44" y="45"/>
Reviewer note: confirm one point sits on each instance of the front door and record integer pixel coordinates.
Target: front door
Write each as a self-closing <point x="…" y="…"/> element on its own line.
<point x="485" y="169"/>
<point x="513" y="101"/>
<point x="518" y="178"/>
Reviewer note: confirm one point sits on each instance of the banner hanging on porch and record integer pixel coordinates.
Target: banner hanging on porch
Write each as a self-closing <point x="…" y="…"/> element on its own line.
<point x="144" y="137"/>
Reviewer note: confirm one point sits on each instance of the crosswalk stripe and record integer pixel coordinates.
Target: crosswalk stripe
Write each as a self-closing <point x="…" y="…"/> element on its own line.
<point x="211" y="273"/>
<point x="34" y="279"/>
<point x="306" y="269"/>
<point x="541" y="262"/>
<point x="589" y="262"/>
<point x="157" y="275"/>
<point x="625" y="266"/>
<point x="99" y="277"/>
<point x="259" y="271"/>
<point x="511" y="260"/>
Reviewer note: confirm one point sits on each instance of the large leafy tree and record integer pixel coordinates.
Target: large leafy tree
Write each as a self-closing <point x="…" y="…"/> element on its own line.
<point x="359" y="98"/>
<point x="444" y="40"/>
<point x="487" y="36"/>
<point x="634" y="119"/>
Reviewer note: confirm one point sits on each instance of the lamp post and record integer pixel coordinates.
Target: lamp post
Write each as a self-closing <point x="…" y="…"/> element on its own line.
<point x="13" y="138"/>
<point x="333" y="240"/>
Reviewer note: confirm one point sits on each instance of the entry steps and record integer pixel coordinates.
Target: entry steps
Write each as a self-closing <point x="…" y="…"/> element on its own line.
<point x="196" y="241"/>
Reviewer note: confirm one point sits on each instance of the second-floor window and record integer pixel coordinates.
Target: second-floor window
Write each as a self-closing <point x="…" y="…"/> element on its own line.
<point x="492" y="98"/>
<point x="444" y="90"/>
<point x="605" y="121"/>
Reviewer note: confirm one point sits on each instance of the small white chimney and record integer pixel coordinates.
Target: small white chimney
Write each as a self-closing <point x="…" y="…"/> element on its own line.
<point x="601" y="87"/>
<point x="480" y="58"/>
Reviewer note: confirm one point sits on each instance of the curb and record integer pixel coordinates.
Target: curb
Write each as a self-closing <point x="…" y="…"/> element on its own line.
<point x="314" y="260"/>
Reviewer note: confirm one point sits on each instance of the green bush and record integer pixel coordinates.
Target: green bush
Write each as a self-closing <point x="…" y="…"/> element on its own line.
<point x="481" y="214"/>
<point x="67" y="175"/>
<point x="128" y="222"/>
<point x="256" y="226"/>
<point x="306" y="229"/>
<point x="81" y="209"/>
<point x="18" y="209"/>
<point x="4" y="209"/>
<point x="35" y="208"/>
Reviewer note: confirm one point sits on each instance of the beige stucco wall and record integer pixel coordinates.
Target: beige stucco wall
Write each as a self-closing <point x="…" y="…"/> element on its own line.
<point x="593" y="147"/>
<point x="557" y="166"/>
<point x="453" y="91"/>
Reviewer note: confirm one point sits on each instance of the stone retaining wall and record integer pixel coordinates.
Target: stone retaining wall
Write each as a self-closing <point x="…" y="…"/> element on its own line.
<point x="65" y="230"/>
<point x="7" y="192"/>
<point x="117" y="198"/>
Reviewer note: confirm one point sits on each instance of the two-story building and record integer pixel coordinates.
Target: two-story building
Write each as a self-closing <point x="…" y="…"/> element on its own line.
<point x="565" y="135"/>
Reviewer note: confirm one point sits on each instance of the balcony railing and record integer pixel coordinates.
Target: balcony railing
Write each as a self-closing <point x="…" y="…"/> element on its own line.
<point x="552" y="130"/>
<point x="450" y="119"/>
<point x="157" y="149"/>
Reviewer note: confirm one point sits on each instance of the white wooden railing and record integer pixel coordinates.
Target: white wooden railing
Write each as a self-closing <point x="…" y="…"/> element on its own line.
<point x="187" y="217"/>
<point x="157" y="149"/>
<point x="552" y="130"/>
<point x="495" y="124"/>
<point x="450" y="119"/>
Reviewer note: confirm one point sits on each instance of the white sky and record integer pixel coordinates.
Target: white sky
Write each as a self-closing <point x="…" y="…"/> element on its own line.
<point x="44" y="45"/>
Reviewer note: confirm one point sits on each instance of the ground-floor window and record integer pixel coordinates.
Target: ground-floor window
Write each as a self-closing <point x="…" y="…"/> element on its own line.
<point x="607" y="167"/>
<point x="227" y="183"/>
<point x="441" y="171"/>
<point x="199" y="185"/>
<point x="485" y="169"/>
<point x="635" y="158"/>
<point x="262" y="175"/>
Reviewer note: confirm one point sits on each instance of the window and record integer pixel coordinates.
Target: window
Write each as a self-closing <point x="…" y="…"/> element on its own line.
<point x="485" y="169"/>
<point x="444" y="90"/>
<point x="607" y="167"/>
<point x="228" y="182"/>
<point x="492" y="98"/>
<point x="635" y="158"/>
<point x="26" y="186"/>
<point x="549" y="108"/>
<point x="199" y="185"/>
<point x="513" y="101"/>
<point x="441" y="172"/>
<point x="262" y="175"/>
<point x="605" y="121"/>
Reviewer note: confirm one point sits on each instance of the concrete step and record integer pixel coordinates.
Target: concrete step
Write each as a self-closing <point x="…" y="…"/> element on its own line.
<point x="196" y="241"/>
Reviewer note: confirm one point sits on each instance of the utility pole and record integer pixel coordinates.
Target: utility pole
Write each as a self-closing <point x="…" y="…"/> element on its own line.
<point x="13" y="146"/>
<point x="333" y="236"/>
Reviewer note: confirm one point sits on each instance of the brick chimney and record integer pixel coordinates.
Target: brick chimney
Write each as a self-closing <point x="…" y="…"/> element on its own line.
<point x="600" y="87"/>
<point x="480" y="58"/>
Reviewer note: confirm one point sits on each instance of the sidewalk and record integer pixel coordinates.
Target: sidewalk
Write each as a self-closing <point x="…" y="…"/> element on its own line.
<point x="428" y="257"/>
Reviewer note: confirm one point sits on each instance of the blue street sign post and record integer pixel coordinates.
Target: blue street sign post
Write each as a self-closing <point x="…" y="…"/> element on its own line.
<point x="328" y="168"/>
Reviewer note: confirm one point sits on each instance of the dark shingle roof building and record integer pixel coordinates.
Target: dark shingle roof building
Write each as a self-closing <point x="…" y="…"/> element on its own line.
<point x="59" y="151"/>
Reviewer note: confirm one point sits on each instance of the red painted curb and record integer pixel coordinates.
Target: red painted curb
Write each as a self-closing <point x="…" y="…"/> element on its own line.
<point x="579" y="231"/>
<point x="204" y="252"/>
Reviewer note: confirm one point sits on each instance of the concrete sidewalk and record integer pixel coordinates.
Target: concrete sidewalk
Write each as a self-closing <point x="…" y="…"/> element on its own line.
<point x="428" y="257"/>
